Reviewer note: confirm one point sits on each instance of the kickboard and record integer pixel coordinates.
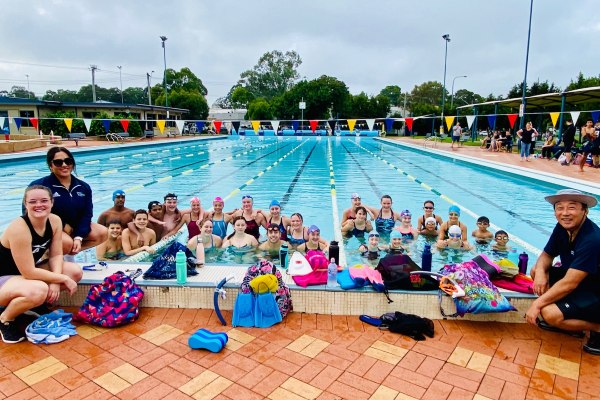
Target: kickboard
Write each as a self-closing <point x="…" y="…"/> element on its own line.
<point x="298" y="265"/>
<point x="204" y="339"/>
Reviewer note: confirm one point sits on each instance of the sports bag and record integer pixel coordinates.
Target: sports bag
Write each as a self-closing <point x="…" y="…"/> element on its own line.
<point x="113" y="302"/>
<point x="395" y="271"/>
<point x="164" y="266"/>
<point x="283" y="296"/>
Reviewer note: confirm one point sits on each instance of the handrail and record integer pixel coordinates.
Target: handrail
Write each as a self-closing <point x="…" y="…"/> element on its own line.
<point x="114" y="138"/>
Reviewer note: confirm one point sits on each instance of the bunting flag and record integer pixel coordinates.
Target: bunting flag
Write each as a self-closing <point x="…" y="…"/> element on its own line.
<point x="161" y="125"/>
<point x="180" y="124"/>
<point x="2" y="119"/>
<point x="351" y="123"/>
<point x="34" y="122"/>
<point x="275" y="125"/>
<point x="595" y="115"/>
<point x="18" y="121"/>
<point x="575" y="116"/>
<point x="200" y="126"/>
<point x="370" y="123"/>
<point x="512" y="118"/>
<point x="554" y="116"/>
<point x="470" y="119"/>
<point x="236" y="126"/>
<point x="295" y="125"/>
<point x="313" y="125"/>
<point x="491" y="120"/>
<point x="388" y="123"/>
<point x="409" y="122"/>
<point x="106" y="123"/>
<point x="217" y="125"/>
<point x="255" y="126"/>
<point x="69" y="123"/>
<point x="228" y="126"/>
<point x="88" y="123"/>
<point x="125" y="123"/>
<point x="332" y="123"/>
<point x="449" y="121"/>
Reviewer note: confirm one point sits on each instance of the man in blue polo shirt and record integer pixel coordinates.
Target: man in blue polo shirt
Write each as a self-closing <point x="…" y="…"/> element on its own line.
<point x="569" y="295"/>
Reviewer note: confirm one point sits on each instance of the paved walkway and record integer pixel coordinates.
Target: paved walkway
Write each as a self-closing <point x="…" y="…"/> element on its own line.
<point x="307" y="356"/>
<point x="571" y="171"/>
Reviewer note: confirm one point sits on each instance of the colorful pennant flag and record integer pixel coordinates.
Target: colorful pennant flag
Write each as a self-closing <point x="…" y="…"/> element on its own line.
<point x="88" y="123"/>
<point x="2" y="119"/>
<point x="491" y="120"/>
<point x="409" y="123"/>
<point x="69" y="123"/>
<point x="34" y="122"/>
<point x="18" y="121"/>
<point x="228" y="126"/>
<point x="125" y="123"/>
<point x="295" y="125"/>
<point x="449" y="121"/>
<point x="595" y="115"/>
<point x="554" y="116"/>
<point x="313" y="125"/>
<point x="161" y="125"/>
<point x="180" y="124"/>
<point x="200" y="126"/>
<point x="388" y="123"/>
<point x="332" y="123"/>
<point x="255" y="126"/>
<point x="351" y="123"/>
<point x="470" y="119"/>
<point x="370" y="123"/>
<point x="512" y="118"/>
<point x="106" y="123"/>
<point x="575" y="116"/>
<point x="275" y="125"/>
<point x="217" y="125"/>
<point x="236" y="126"/>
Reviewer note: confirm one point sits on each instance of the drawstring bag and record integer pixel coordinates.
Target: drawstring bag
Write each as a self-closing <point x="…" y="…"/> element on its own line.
<point x="164" y="267"/>
<point x="113" y="302"/>
<point x="396" y="273"/>
<point x="283" y="296"/>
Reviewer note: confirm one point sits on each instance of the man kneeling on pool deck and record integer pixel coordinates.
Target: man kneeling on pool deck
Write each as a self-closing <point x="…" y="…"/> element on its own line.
<point x="32" y="270"/>
<point x="569" y="295"/>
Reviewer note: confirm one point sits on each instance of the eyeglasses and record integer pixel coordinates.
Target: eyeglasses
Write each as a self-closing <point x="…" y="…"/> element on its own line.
<point x="501" y="237"/>
<point x="428" y="208"/>
<point x="453" y="214"/>
<point x="67" y="161"/>
<point x="455" y="235"/>
<point x="247" y="196"/>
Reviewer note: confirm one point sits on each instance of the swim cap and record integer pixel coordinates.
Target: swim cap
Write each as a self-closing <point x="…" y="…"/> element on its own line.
<point x="313" y="228"/>
<point x="274" y="203"/>
<point x="455" y="209"/>
<point x="355" y="196"/>
<point x="430" y="219"/>
<point x="194" y="200"/>
<point x="219" y="200"/>
<point x="374" y="233"/>
<point x="395" y="235"/>
<point x="405" y="212"/>
<point x="454" y="229"/>
<point x="118" y="192"/>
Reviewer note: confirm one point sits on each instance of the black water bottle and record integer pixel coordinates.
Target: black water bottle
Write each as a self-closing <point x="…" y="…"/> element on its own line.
<point x="523" y="260"/>
<point x="283" y="255"/>
<point x="334" y="251"/>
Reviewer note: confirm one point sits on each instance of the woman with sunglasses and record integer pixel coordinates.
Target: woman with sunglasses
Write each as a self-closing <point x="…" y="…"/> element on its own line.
<point x="428" y="208"/>
<point x="253" y="218"/>
<point x="72" y="203"/>
<point x="453" y="215"/>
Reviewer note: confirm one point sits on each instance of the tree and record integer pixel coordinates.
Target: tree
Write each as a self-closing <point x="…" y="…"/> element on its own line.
<point x="59" y="128"/>
<point x="583" y="82"/>
<point x="21" y="93"/>
<point x="135" y="95"/>
<point x="259" y="109"/>
<point x="393" y="93"/>
<point x="241" y="97"/>
<point x="273" y="75"/>
<point x="61" y="95"/>
<point x="192" y="101"/>
<point x="225" y="101"/>
<point x="464" y="97"/>
<point x="183" y="80"/>
<point x="428" y="93"/>
<point x="532" y="90"/>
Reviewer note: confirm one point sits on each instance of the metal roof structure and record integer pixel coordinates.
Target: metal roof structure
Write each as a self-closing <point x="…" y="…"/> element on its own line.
<point x="102" y="104"/>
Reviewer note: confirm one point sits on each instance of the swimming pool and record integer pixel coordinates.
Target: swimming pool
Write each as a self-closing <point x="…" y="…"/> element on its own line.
<point x="296" y="171"/>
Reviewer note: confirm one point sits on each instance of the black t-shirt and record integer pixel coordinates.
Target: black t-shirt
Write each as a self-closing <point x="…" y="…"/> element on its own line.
<point x="582" y="254"/>
<point x="527" y="135"/>
<point x="569" y="135"/>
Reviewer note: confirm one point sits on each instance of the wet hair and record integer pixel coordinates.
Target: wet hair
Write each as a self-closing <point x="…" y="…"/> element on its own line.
<point x="204" y="221"/>
<point x="484" y="220"/>
<point x="236" y="219"/>
<point x="113" y="222"/>
<point x="428" y="201"/>
<point x="170" y="195"/>
<point x="501" y="232"/>
<point x="361" y="208"/>
<point x="299" y="216"/>
<point x="272" y="227"/>
<point x="152" y="204"/>
<point x="35" y="187"/>
<point x="386" y="196"/>
<point x="52" y="152"/>
<point x="589" y="120"/>
<point x="140" y="211"/>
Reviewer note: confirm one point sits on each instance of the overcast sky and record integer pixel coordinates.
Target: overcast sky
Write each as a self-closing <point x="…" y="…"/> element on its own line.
<point x="366" y="44"/>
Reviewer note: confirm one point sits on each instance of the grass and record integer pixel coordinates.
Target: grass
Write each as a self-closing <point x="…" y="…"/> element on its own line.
<point x="475" y="143"/>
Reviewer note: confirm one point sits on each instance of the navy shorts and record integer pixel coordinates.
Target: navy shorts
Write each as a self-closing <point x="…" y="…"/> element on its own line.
<point x="582" y="304"/>
<point x="455" y="138"/>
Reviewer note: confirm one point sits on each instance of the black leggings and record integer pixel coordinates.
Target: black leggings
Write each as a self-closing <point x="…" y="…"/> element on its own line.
<point x="547" y="152"/>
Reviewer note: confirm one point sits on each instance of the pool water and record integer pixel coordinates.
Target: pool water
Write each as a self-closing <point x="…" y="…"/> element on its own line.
<point x="296" y="171"/>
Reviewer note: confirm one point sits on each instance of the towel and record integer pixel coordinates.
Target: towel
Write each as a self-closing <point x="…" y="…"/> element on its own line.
<point x="51" y="328"/>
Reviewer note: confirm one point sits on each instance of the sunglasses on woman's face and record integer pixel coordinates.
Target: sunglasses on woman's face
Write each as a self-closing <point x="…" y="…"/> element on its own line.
<point x="59" y="162"/>
<point x="428" y="208"/>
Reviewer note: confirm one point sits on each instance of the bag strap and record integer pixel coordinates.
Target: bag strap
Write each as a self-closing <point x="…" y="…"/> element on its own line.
<point x="134" y="273"/>
<point x="442" y="309"/>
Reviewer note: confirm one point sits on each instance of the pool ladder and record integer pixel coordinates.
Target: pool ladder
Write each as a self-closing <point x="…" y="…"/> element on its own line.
<point x="113" y="138"/>
<point x="433" y="139"/>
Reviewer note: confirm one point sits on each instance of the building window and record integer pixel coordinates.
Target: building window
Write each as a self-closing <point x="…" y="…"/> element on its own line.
<point x="151" y="117"/>
<point x="90" y="114"/>
<point x="26" y="114"/>
<point x="135" y="115"/>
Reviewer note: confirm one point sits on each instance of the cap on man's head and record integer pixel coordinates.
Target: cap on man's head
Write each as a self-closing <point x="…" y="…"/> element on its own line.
<point x="572" y="195"/>
<point x="118" y="193"/>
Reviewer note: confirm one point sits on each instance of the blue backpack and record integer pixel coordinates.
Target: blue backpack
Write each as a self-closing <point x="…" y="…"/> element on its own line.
<point x="164" y="266"/>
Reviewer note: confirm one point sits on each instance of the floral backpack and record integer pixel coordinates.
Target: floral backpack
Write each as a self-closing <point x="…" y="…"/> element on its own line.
<point x="113" y="302"/>
<point x="283" y="296"/>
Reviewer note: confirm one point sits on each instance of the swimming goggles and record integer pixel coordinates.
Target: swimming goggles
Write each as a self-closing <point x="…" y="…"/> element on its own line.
<point x="171" y="198"/>
<point x="94" y="267"/>
<point x="428" y="208"/>
<point x="453" y="214"/>
<point x="375" y="234"/>
<point x="247" y="196"/>
<point x="501" y="237"/>
<point x="455" y="235"/>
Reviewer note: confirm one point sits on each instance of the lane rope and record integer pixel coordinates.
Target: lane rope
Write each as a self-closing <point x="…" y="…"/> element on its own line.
<point x="337" y="229"/>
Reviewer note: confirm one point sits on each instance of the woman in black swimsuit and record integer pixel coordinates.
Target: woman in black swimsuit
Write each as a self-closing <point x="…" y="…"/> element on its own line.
<point x="274" y="217"/>
<point x="32" y="270"/>
<point x="253" y="219"/>
<point x="315" y="242"/>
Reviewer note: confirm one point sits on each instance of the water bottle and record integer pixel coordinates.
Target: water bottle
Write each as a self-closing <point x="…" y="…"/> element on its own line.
<point x="334" y="251"/>
<point x="283" y="255"/>
<point x="181" y="267"/>
<point x="332" y="274"/>
<point x="87" y="259"/>
<point x="523" y="259"/>
<point x="426" y="260"/>
<point x="513" y="256"/>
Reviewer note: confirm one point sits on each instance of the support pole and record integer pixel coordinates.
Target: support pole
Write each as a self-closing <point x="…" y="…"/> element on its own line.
<point x="496" y="115"/>
<point x="562" y="111"/>
<point x="94" y="68"/>
<point x="526" y="62"/>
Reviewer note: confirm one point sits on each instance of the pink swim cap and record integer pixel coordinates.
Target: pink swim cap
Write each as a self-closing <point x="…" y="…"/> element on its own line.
<point x="219" y="200"/>
<point x="194" y="200"/>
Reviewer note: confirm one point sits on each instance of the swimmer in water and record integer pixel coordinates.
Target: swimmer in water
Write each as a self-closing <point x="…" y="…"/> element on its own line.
<point x="112" y="249"/>
<point x="252" y="218"/>
<point x="373" y="249"/>
<point x="220" y="219"/>
<point x="350" y="213"/>
<point x="409" y="234"/>
<point x="314" y="241"/>
<point x="192" y="217"/>
<point x="169" y="218"/>
<point x="359" y="226"/>
<point x="481" y="234"/>
<point x="155" y="215"/>
<point x="129" y="240"/>
<point x="430" y="227"/>
<point x="453" y="215"/>
<point x="239" y="242"/>
<point x="395" y="246"/>
<point x="204" y="241"/>
<point x="274" y="217"/>
<point x="385" y="218"/>
<point x="454" y="240"/>
<point x="118" y="211"/>
<point x="273" y="242"/>
<point x="428" y="208"/>
<point x="501" y="238"/>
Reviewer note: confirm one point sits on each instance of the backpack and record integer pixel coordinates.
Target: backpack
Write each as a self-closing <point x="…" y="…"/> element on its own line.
<point x="283" y="296"/>
<point x="113" y="302"/>
<point x="395" y="271"/>
<point x="164" y="266"/>
<point x="317" y="260"/>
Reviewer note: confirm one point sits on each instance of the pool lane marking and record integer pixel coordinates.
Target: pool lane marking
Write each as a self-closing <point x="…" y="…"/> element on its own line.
<point x="26" y="172"/>
<point x="362" y="170"/>
<point x="514" y="238"/>
<point x="290" y="190"/>
<point x="337" y="229"/>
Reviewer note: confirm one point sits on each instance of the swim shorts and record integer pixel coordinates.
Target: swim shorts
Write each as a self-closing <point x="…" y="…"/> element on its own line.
<point x="582" y="304"/>
<point x="455" y="138"/>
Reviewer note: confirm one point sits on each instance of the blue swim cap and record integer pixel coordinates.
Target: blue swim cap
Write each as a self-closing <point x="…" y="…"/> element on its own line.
<point x="313" y="228"/>
<point x="395" y="234"/>
<point x="118" y="192"/>
<point x="455" y="209"/>
<point x="274" y="203"/>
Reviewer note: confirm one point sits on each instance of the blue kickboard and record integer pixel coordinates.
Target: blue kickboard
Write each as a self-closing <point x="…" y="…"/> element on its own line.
<point x="210" y="341"/>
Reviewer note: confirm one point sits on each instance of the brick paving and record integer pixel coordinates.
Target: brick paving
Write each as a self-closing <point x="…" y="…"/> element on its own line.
<point x="307" y="356"/>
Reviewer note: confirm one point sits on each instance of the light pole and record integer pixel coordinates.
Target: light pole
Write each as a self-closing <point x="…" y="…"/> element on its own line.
<point x="164" y="39"/>
<point x="149" y="76"/>
<point x="120" y="80"/>
<point x="452" y="102"/>
<point x="28" y="93"/>
<point x="446" y="37"/>
<point x="526" y="62"/>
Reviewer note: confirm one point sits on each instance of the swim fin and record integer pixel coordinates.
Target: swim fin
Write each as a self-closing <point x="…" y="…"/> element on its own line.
<point x="266" y="311"/>
<point x="359" y="276"/>
<point x="243" y="311"/>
